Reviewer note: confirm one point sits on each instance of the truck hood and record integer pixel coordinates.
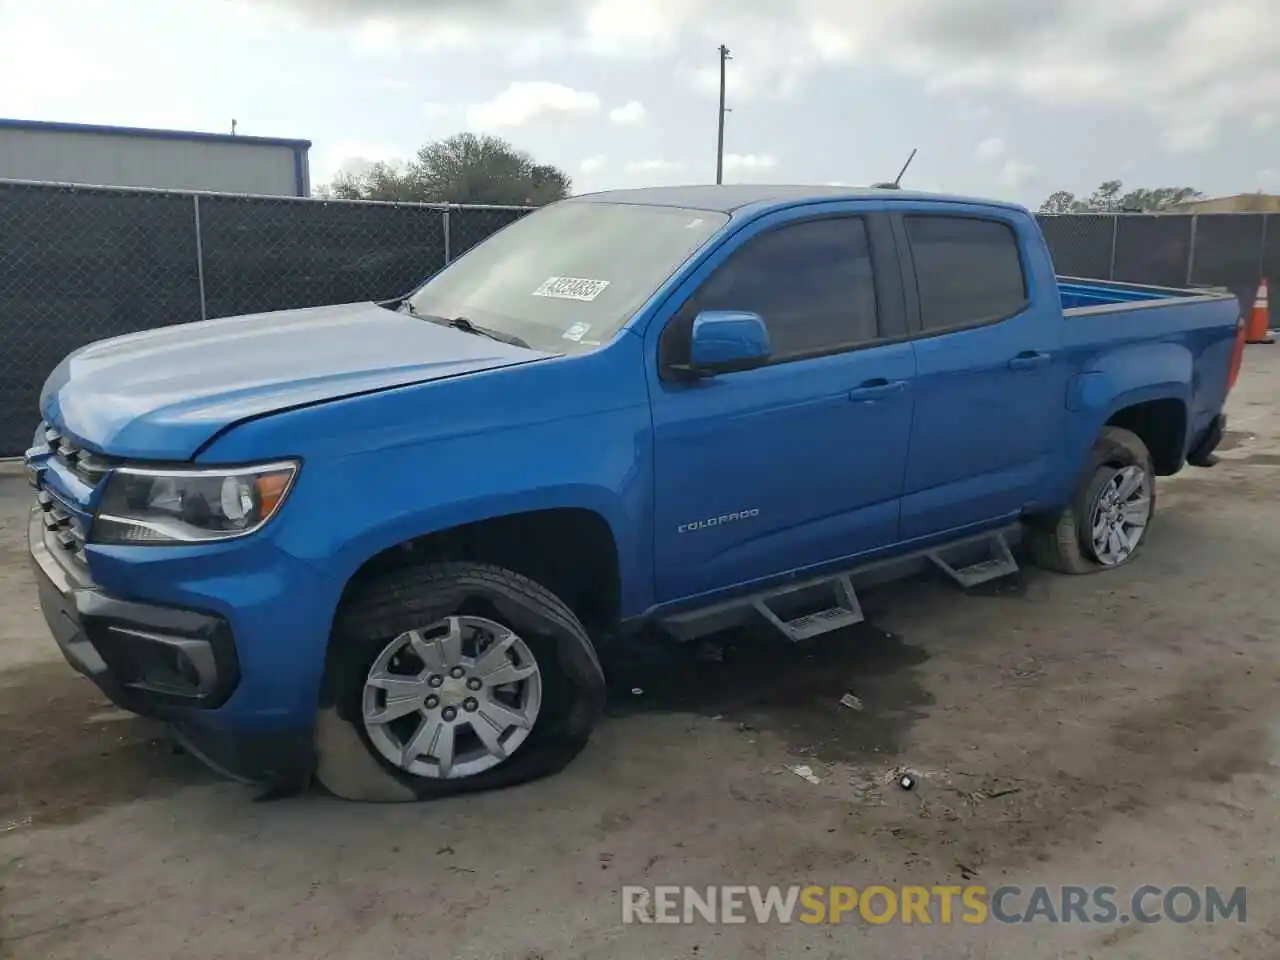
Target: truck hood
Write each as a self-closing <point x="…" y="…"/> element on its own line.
<point x="162" y="394"/>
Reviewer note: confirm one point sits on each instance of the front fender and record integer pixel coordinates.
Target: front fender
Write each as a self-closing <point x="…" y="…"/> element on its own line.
<point x="343" y="512"/>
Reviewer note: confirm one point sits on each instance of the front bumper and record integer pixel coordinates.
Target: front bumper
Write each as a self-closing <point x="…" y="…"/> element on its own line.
<point x="166" y="662"/>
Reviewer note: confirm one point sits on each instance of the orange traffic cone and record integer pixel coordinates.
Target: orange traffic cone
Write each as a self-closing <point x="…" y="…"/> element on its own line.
<point x="1260" y="318"/>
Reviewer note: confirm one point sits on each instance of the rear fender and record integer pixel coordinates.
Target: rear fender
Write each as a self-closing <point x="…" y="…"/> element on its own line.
<point x="1121" y="378"/>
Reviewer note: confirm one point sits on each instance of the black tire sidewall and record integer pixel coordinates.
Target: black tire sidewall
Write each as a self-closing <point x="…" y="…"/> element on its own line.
<point x="571" y="702"/>
<point x="1115" y="449"/>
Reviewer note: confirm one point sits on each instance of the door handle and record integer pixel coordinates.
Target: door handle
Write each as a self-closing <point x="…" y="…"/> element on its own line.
<point x="873" y="390"/>
<point x="1029" y="360"/>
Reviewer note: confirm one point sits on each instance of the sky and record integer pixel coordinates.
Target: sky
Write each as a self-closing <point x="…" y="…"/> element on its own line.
<point x="1011" y="99"/>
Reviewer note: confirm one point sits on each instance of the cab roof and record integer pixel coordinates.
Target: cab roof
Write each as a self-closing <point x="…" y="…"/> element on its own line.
<point x="754" y="198"/>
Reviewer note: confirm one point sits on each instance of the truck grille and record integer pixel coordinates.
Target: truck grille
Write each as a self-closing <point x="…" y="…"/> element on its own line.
<point x="89" y="467"/>
<point x="61" y="530"/>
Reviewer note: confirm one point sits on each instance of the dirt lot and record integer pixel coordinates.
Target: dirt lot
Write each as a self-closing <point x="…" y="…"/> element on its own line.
<point x="1113" y="730"/>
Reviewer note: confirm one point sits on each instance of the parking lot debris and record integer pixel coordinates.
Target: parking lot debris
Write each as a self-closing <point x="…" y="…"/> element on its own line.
<point x="850" y="701"/>
<point x="805" y="771"/>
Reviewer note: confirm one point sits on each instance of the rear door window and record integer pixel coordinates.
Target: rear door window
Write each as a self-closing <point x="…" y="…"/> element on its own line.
<point x="968" y="270"/>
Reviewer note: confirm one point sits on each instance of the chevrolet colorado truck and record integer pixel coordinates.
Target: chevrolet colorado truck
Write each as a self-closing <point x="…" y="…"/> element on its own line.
<point x="381" y="544"/>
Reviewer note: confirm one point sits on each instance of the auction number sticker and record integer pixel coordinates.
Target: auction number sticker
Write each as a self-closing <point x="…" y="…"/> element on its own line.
<point x="571" y="288"/>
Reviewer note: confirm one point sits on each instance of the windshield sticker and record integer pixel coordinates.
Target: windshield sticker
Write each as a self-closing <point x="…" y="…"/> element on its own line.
<point x="571" y="288"/>
<point x="576" y="332"/>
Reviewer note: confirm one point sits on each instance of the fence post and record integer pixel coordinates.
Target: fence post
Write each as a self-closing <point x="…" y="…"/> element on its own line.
<point x="1115" y="229"/>
<point x="195" y="209"/>
<point x="447" y="242"/>
<point x="1191" y="250"/>
<point x="1262" y="247"/>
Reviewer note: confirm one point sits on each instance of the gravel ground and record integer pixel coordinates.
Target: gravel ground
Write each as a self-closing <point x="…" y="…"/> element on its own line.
<point x="1112" y="730"/>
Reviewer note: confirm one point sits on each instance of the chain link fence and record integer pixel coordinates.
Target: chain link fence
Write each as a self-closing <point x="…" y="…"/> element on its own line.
<point x="78" y="264"/>
<point x="1232" y="250"/>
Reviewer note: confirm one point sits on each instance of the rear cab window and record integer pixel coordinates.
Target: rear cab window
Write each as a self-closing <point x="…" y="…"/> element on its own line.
<point x="969" y="270"/>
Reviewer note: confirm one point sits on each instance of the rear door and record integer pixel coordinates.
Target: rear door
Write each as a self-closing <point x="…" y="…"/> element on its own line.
<point x="763" y="472"/>
<point x="990" y="372"/>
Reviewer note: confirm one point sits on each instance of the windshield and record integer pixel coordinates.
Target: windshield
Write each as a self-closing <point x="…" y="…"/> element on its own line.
<point x="565" y="278"/>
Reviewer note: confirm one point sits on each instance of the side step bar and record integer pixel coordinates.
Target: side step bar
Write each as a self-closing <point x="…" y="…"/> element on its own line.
<point x="999" y="563"/>
<point x="844" y="611"/>
<point x="811" y="608"/>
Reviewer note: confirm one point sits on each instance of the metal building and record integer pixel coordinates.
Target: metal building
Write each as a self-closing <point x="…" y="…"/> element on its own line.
<point x="169" y="159"/>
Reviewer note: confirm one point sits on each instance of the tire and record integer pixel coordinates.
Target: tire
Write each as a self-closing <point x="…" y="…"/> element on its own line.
<point x="1063" y="542"/>
<point x="353" y="755"/>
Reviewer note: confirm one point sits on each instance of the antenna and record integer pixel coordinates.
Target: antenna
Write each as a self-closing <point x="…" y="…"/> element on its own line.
<point x="233" y="128"/>
<point x="897" y="181"/>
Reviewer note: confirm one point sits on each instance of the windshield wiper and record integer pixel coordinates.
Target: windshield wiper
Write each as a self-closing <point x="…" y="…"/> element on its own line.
<point x="465" y="325"/>
<point x="462" y="323"/>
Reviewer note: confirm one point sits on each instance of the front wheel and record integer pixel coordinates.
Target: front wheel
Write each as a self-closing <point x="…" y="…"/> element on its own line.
<point x="1107" y="520"/>
<point x="453" y="678"/>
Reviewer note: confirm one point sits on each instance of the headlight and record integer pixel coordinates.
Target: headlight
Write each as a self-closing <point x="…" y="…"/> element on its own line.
<point x="141" y="506"/>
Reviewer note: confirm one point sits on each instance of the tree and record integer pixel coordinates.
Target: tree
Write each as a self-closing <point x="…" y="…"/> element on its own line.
<point x="1109" y="199"/>
<point x="464" y="168"/>
<point x="1060" y="201"/>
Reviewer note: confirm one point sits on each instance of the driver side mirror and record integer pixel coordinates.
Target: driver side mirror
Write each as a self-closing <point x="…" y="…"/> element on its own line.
<point x="725" y="341"/>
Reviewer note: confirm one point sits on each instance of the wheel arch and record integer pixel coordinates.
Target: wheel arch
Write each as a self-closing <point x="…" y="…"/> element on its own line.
<point x="570" y="545"/>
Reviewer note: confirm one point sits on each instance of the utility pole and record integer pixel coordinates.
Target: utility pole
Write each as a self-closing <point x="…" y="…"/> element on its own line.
<point x="724" y="56"/>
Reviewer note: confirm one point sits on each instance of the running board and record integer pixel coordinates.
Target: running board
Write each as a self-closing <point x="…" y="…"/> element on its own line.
<point x="802" y="610"/>
<point x="844" y="610"/>
<point x="1000" y="563"/>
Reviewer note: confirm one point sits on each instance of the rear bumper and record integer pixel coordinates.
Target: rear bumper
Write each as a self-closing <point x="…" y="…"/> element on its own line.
<point x="168" y="663"/>
<point x="1202" y="449"/>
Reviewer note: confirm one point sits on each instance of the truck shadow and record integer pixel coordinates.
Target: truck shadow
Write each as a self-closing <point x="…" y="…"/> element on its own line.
<point x="850" y="695"/>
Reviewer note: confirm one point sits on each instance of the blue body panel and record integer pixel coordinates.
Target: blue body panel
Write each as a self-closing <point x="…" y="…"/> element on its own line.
<point x="710" y="489"/>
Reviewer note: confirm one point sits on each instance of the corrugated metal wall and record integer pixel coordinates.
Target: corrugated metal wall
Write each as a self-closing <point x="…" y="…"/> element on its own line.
<point x="164" y="163"/>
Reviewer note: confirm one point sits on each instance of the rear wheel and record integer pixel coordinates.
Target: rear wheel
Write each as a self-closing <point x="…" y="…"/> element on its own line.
<point x="453" y="678"/>
<point x="1107" y="520"/>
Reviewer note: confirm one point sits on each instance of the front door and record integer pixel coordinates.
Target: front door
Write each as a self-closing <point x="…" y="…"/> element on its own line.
<point x="765" y="472"/>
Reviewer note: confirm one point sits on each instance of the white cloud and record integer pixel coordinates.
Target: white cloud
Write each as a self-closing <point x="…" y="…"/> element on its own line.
<point x="629" y="113"/>
<point x="592" y="164"/>
<point x="1015" y="174"/>
<point x="749" y="166"/>
<point x="1191" y="136"/>
<point x="435" y="110"/>
<point x="531" y="101"/>
<point x="1192" y="67"/>
<point x="1269" y="178"/>
<point x="352" y="158"/>
<point x="749" y="161"/>
<point x="973" y="112"/>
<point x="655" y="168"/>
<point x="991" y="148"/>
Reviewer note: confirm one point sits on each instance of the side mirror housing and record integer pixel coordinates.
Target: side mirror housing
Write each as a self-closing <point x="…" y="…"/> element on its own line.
<point x="724" y="341"/>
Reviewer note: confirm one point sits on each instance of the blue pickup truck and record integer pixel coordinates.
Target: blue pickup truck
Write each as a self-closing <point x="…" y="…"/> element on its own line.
<point x="383" y="544"/>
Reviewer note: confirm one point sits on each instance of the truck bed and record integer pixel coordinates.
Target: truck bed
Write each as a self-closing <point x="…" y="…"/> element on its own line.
<point x="1107" y="312"/>
<point x="1081" y="296"/>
